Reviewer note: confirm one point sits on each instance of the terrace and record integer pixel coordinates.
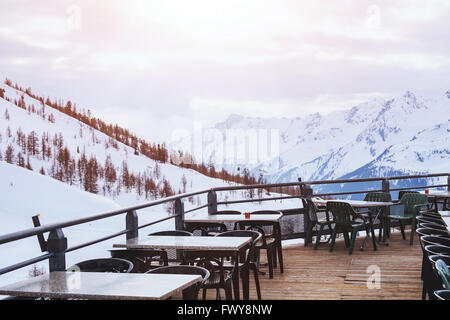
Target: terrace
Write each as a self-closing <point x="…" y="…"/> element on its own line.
<point x="308" y="273"/>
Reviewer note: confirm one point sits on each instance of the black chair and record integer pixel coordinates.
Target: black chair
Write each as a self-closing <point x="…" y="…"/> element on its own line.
<point x="428" y="219"/>
<point x="247" y="261"/>
<point x="142" y="259"/>
<point x="315" y="222"/>
<point x="432" y="232"/>
<point x="183" y="269"/>
<point x="173" y="255"/>
<point x="103" y="265"/>
<point x="270" y="240"/>
<point x="401" y="193"/>
<point x="346" y="220"/>
<point x="442" y="294"/>
<point x="432" y="225"/>
<point x="219" y="277"/>
<point x="208" y="228"/>
<point x="436" y="249"/>
<point x="430" y="240"/>
<point x="172" y="233"/>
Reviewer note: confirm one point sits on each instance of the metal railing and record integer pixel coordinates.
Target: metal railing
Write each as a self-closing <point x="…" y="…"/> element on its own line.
<point x="55" y="247"/>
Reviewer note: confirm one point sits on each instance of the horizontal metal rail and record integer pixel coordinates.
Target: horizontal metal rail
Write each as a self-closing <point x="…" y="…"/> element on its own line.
<point x="51" y="227"/>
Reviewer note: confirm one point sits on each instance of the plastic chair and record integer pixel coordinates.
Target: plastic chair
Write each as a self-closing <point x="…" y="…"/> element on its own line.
<point x="103" y="265"/>
<point x="443" y="272"/>
<point x="270" y="240"/>
<point x="141" y="258"/>
<point x="219" y="277"/>
<point x="432" y="225"/>
<point x="407" y="209"/>
<point x="432" y="232"/>
<point x="442" y="294"/>
<point x="211" y="228"/>
<point x="248" y="259"/>
<point x="314" y="221"/>
<point x="181" y="233"/>
<point x="381" y="197"/>
<point x="345" y="221"/>
<point x="183" y="269"/>
<point x="436" y="249"/>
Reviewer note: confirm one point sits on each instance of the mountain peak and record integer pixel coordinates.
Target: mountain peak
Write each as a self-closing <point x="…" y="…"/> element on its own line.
<point x="448" y="94"/>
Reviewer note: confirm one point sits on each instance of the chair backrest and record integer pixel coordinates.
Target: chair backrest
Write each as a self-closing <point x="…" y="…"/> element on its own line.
<point x="255" y="235"/>
<point x="226" y="212"/>
<point x="425" y="219"/>
<point x="267" y="228"/>
<point x="140" y="258"/>
<point x="436" y="257"/>
<point x="183" y="269"/>
<point x="312" y="210"/>
<point x="432" y="225"/>
<point x="342" y="212"/>
<point x="432" y="232"/>
<point x="437" y="249"/>
<point x="430" y="240"/>
<point x="266" y="212"/>
<point x="103" y="265"/>
<point x="412" y="203"/>
<point x="181" y="233"/>
<point x="442" y="294"/>
<point x="378" y="197"/>
<point x="402" y="193"/>
<point x="443" y="272"/>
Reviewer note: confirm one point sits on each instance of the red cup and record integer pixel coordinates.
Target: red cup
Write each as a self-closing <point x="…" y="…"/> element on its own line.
<point x="247" y="215"/>
<point x="427" y="191"/>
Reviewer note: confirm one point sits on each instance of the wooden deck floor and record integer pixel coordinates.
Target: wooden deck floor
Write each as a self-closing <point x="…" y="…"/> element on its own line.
<point x="320" y="274"/>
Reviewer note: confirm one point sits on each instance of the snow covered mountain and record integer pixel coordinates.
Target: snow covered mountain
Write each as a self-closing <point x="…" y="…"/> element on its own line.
<point x="404" y="135"/>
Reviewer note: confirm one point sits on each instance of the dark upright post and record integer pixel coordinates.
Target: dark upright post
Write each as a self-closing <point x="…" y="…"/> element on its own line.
<point x="448" y="182"/>
<point x="131" y="221"/>
<point x="212" y="202"/>
<point x="385" y="185"/>
<point x="306" y="192"/>
<point x="178" y="210"/>
<point x="57" y="244"/>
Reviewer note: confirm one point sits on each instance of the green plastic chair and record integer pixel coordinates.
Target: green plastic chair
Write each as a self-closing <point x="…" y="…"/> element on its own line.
<point x="314" y="221"/>
<point x="345" y="219"/>
<point x="443" y="272"/>
<point x="407" y="209"/>
<point x="381" y="197"/>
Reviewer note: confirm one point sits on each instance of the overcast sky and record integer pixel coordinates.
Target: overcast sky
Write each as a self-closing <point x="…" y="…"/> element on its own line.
<point x="156" y="66"/>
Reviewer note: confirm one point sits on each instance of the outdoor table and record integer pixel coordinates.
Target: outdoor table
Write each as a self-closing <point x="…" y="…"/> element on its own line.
<point x="359" y="204"/>
<point x="437" y="195"/>
<point x="225" y="246"/>
<point x="104" y="286"/>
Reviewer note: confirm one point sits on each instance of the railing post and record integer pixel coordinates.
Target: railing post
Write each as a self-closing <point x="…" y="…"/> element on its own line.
<point x="131" y="221"/>
<point x="448" y="182"/>
<point x="385" y="185"/>
<point x="57" y="244"/>
<point x="212" y="202"/>
<point x="178" y="210"/>
<point x="306" y="192"/>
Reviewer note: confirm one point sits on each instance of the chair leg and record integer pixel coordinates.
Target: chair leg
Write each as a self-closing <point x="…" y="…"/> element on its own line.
<point x="413" y="230"/>
<point x="228" y="291"/>
<point x="308" y="235"/>
<point x="318" y="237"/>
<point x="374" y="239"/>
<point x="333" y="238"/>
<point x="347" y="239"/>
<point x="256" y="277"/>
<point x="270" y="260"/>
<point x="280" y="257"/>
<point x="402" y="229"/>
<point x="245" y="275"/>
<point x="275" y="249"/>
<point x="352" y="243"/>
<point x="204" y="294"/>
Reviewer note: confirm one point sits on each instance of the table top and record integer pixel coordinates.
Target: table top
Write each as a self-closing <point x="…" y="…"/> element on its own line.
<point x="100" y="286"/>
<point x="440" y="194"/>
<point x="222" y="218"/>
<point x="356" y="203"/>
<point x="186" y="243"/>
